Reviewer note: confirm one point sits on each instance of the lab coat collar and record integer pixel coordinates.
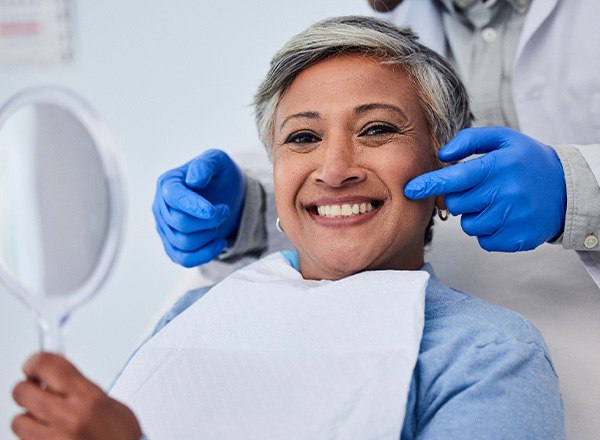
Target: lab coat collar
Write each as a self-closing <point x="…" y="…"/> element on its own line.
<point x="540" y="10"/>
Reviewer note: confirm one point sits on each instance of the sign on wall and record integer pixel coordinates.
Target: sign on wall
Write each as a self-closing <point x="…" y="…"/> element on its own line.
<point x="35" y="33"/>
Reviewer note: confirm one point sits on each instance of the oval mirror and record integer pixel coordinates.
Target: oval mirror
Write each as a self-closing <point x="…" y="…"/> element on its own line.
<point x="61" y="207"/>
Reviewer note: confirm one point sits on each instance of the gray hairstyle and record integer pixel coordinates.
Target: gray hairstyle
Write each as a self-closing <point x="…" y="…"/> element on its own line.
<point x="440" y="91"/>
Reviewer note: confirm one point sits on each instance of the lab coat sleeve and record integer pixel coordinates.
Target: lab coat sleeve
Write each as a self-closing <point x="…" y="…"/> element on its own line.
<point x="582" y="218"/>
<point x="251" y="239"/>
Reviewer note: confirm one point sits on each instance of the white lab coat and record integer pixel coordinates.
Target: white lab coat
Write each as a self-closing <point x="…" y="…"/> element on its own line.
<point x="556" y="91"/>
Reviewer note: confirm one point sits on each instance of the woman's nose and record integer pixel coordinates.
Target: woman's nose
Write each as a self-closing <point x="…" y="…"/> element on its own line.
<point x="339" y="165"/>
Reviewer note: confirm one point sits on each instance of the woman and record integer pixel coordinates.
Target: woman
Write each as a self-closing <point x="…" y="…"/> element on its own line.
<point x="350" y="111"/>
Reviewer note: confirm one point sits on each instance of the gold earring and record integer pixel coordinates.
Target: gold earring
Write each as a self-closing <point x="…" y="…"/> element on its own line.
<point x="443" y="214"/>
<point x="278" y="225"/>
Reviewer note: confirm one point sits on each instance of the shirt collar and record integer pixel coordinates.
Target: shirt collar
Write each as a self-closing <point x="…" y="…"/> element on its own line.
<point x="478" y="12"/>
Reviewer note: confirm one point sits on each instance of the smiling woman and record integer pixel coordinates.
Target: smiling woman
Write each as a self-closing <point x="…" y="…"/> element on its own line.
<point x="350" y="112"/>
<point x="350" y="335"/>
<point x="352" y="133"/>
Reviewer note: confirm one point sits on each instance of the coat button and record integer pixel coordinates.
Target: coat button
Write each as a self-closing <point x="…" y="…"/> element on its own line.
<point x="489" y="34"/>
<point x="591" y="241"/>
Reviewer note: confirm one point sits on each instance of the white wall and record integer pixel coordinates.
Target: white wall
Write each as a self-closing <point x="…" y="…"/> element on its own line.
<point x="170" y="79"/>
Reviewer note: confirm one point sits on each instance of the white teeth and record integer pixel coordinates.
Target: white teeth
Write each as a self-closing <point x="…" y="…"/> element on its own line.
<point x="345" y="210"/>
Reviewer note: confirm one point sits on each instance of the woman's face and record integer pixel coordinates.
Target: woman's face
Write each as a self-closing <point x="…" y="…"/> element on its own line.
<point x="349" y="133"/>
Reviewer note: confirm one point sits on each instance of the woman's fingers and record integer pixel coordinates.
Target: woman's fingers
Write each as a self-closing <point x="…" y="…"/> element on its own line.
<point x="55" y="372"/>
<point x="42" y="404"/>
<point x="27" y="427"/>
<point x="62" y="404"/>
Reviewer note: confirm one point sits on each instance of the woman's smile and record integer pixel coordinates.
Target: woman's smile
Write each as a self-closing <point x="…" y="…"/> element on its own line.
<point x="343" y="211"/>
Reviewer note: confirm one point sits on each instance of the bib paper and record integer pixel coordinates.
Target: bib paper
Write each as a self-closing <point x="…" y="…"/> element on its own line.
<point x="266" y="354"/>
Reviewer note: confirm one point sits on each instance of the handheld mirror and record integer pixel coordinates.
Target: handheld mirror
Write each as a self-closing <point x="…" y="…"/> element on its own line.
<point x="61" y="207"/>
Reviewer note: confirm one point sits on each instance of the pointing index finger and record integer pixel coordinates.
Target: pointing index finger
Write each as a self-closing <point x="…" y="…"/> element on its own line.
<point x="478" y="140"/>
<point x="453" y="178"/>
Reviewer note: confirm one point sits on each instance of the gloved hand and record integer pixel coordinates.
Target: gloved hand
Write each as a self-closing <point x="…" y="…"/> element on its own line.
<point x="512" y="199"/>
<point x="197" y="206"/>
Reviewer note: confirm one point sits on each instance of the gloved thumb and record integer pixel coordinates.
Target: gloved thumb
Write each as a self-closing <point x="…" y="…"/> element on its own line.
<point x="206" y="167"/>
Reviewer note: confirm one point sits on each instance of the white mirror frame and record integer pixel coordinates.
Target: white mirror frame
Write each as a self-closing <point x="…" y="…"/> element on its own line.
<point x="111" y="164"/>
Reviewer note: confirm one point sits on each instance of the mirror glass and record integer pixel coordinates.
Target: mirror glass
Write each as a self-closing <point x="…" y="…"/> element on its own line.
<point x="60" y="205"/>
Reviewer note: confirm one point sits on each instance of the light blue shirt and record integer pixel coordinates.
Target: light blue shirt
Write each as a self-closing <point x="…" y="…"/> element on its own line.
<point x="483" y="39"/>
<point x="483" y="372"/>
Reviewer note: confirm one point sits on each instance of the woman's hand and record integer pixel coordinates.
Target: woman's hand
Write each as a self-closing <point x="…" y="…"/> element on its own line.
<point x="61" y="404"/>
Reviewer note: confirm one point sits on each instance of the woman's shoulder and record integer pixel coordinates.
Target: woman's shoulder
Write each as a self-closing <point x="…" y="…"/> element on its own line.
<point x="480" y="368"/>
<point x="467" y="317"/>
<point x="462" y="330"/>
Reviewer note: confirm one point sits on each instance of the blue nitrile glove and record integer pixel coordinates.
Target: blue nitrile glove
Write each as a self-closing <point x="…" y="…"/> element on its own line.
<point x="197" y="206"/>
<point x="512" y="199"/>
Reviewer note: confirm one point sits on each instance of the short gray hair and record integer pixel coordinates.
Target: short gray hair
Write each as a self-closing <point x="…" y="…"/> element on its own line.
<point x="440" y="91"/>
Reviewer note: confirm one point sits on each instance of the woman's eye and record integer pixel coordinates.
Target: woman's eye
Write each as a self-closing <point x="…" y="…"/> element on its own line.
<point x="379" y="130"/>
<point x="302" y="137"/>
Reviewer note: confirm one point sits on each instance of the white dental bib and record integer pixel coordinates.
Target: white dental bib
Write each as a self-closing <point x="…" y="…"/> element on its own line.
<point x="268" y="355"/>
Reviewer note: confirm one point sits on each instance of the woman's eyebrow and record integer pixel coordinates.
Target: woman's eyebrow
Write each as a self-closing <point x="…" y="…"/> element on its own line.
<point x="379" y="106"/>
<point x="309" y="115"/>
